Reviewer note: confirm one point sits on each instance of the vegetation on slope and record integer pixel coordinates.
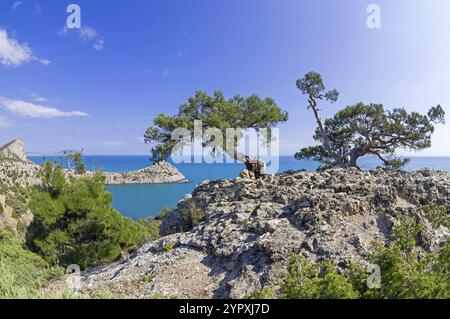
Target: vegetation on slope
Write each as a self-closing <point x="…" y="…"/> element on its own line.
<point x="22" y="273"/>
<point x="405" y="272"/>
<point x="74" y="222"/>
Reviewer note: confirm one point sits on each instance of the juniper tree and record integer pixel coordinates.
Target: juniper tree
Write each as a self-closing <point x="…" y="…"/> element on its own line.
<point x="76" y="158"/>
<point x="364" y="129"/>
<point x="214" y="112"/>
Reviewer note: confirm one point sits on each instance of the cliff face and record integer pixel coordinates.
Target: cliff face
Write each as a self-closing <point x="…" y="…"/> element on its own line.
<point x="14" y="150"/>
<point x="251" y="227"/>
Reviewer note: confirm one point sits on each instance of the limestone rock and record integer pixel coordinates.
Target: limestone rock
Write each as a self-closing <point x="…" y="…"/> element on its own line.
<point x="251" y="227"/>
<point x="14" y="150"/>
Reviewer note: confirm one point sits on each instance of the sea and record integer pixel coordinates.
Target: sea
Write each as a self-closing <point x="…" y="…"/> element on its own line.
<point x="139" y="201"/>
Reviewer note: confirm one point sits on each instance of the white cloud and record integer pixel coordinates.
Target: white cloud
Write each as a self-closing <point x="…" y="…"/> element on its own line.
<point x="38" y="98"/>
<point x="98" y="45"/>
<point x="13" y="53"/>
<point x="87" y="34"/>
<point x="4" y="122"/>
<point x="15" y="5"/>
<point x="28" y="109"/>
<point x="44" y="61"/>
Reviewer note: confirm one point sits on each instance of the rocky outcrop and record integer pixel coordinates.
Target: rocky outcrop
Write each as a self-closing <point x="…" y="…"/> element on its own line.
<point x="159" y="173"/>
<point x="14" y="150"/>
<point x="16" y="169"/>
<point x="14" y="215"/>
<point x="250" y="228"/>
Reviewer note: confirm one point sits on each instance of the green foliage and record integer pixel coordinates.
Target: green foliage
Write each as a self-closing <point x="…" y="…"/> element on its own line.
<point x="1" y="208"/>
<point x="215" y="112"/>
<point x="152" y="229"/>
<point x="75" y="224"/>
<point x="75" y="160"/>
<point x="148" y="278"/>
<point x="437" y="215"/>
<point x="167" y="247"/>
<point x="163" y="214"/>
<point x="315" y="281"/>
<point x="22" y="273"/>
<point x="196" y="216"/>
<point x="104" y="294"/>
<point x="405" y="273"/>
<point x="263" y="293"/>
<point x="53" y="180"/>
<point x="365" y="129"/>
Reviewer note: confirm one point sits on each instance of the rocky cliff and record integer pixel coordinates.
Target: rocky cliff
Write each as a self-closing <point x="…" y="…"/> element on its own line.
<point x="14" y="150"/>
<point x="161" y="172"/>
<point x="232" y="237"/>
<point x="15" y="168"/>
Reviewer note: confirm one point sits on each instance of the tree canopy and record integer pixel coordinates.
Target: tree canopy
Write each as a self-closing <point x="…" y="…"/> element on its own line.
<point x="214" y="112"/>
<point x="364" y="129"/>
<point x="74" y="222"/>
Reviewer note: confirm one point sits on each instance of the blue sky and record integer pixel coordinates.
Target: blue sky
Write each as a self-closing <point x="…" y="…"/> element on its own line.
<point x="98" y="88"/>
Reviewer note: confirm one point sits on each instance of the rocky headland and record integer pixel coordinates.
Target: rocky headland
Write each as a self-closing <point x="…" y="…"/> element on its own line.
<point x="16" y="168"/>
<point x="232" y="237"/>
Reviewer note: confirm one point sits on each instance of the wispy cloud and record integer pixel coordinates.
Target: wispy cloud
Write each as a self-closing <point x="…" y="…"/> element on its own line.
<point x="13" y="53"/>
<point x="165" y="73"/>
<point x="88" y="35"/>
<point x="4" y="122"/>
<point x="182" y="53"/>
<point x="28" y="109"/>
<point x="98" y="45"/>
<point x="15" y="5"/>
<point x="39" y="98"/>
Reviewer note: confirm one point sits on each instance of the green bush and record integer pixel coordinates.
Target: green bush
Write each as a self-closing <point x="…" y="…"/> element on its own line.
<point x="167" y="247"/>
<point x="148" y="278"/>
<point x="406" y="273"/>
<point x="22" y="273"/>
<point x="152" y="229"/>
<point x="314" y="281"/>
<point x="163" y="213"/>
<point x="264" y="293"/>
<point x="74" y="222"/>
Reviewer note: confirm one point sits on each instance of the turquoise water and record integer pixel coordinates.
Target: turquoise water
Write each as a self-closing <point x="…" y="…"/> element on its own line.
<point x="137" y="201"/>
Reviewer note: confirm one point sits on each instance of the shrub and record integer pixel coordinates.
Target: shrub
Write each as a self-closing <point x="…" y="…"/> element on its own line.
<point x="148" y="278"/>
<point x="405" y="273"/>
<point x="22" y="272"/>
<point x="313" y="281"/>
<point x="74" y="222"/>
<point x="152" y="229"/>
<point x="264" y="293"/>
<point x="167" y="247"/>
<point x="163" y="213"/>
<point x="192" y="216"/>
